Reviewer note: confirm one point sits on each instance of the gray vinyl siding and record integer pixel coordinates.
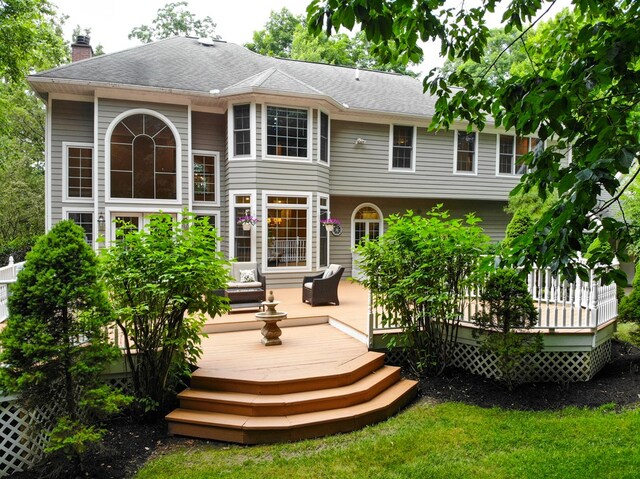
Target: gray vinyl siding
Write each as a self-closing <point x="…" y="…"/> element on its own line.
<point x="494" y="219"/>
<point x="109" y="109"/>
<point x="354" y="168"/>
<point x="71" y="121"/>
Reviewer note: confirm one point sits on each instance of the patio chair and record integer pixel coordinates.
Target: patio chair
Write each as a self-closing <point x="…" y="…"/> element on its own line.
<point x="248" y="284"/>
<point x="322" y="288"/>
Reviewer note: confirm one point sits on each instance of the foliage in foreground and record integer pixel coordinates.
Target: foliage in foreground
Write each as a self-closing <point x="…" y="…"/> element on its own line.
<point x="507" y="310"/>
<point x="444" y="441"/>
<point x="418" y="273"/>
<point x="55" y="345"/>
<point x="163" y="281"/>
<point x="581" y="90"/>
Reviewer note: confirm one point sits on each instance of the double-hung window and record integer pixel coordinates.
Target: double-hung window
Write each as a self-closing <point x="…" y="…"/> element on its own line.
<point x="466" y="151"/>
<point x="287" y="132"/>
<point x="511" y="150"/>
<point x="242" y="130"/>
<point x="205" y="177"/>
<point x="403" y="148"/>
<point x="79" y="171"/>
<point x="85" y="221"/>
<point x="323" y="157"/>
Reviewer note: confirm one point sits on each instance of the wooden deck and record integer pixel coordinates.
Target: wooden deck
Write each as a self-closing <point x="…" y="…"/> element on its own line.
<point x="352" y="310"/>
<point x="319" y="381"/>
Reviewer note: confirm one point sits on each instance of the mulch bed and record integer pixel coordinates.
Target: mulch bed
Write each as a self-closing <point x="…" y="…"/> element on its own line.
<point x="128" y="445"/>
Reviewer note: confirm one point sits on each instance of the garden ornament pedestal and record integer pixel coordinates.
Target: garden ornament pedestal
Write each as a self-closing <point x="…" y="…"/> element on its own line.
<point x="270" y="331"/>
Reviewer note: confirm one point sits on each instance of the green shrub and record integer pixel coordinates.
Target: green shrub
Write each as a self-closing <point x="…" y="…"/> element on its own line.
<point x="418" y="273"/>
<point x="155" y="276"/>
<point x="518" y="226"/>
<point x="55" y="344"/>
<point x="507" y="310"/>
<point x="629" y="306"/>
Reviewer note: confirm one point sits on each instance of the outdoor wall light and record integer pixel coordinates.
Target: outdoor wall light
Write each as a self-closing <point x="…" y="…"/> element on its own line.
<point x="101" y="221"/>
<point x="360" y="141"/>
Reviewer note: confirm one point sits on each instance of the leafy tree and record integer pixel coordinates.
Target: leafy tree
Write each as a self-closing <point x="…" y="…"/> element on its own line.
<point x="30" y="38"/>
<point x="581" y="90"/>
<point x="503" y="50"/>
<point x="507" y="311"/>
<point x="276" y="38"/>
<point x="163" y="279"/>
<point x="419" y="272"/>
<point x="286" y="36"/>
<point x="55" y="345"/>
<point x="175" y="19"/>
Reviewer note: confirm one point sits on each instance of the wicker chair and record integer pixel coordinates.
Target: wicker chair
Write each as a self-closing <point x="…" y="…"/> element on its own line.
<point x="319" y="289"/>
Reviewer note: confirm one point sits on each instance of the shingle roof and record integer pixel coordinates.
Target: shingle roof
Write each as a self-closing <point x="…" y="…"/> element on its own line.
<point x="186" y="64"/>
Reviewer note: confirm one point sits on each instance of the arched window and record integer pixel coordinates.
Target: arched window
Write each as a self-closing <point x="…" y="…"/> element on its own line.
<point x="143" y="159"/>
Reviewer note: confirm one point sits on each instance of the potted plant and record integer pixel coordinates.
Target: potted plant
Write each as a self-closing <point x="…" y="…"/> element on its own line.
<point x="247" y="221"/>
<point x="330" y="223"/>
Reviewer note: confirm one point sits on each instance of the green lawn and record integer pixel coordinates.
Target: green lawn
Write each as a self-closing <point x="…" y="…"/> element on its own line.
<point x="449" y="440"/>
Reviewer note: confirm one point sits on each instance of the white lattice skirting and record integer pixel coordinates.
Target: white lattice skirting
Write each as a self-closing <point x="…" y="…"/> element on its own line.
<point x="23" y="434"/>
<point x="554" y="366"/>
<point x="545" y="366"/>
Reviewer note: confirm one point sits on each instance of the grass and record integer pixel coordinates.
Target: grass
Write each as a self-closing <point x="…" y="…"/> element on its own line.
<point x="629" y="333"/>
<point x="449" y="440"/>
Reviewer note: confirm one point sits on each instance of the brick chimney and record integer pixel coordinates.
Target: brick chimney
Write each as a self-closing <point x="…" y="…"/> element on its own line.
<point x="81" y="49"/>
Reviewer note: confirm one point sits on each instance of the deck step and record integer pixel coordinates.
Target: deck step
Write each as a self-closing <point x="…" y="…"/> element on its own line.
<point x="280" y="428"/>
<point x="297" y="380"/>
<point x="231" y="402"/>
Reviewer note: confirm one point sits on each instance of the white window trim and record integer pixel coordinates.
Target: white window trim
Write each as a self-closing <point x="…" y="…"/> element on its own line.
<point x="328" y="163"/>
<point x="192" y="187"/>
<point x="230" y="131"/>
<point x="317" y="222"/>
<point x="232" y="220"/>
<point x="107" y="160"/>
<point x="290" y="159"/>
<point x="65" y="171"/>
<point x="475" y="155"/>
<point x="265" y="230"/>
<point x="510" y="175"/>
<point x="413" y="150"/>
<point x="353" y="220"/>
<point x="132" y="210"/>
<point x="216" y="215"/>
<point x="83" y="209"/>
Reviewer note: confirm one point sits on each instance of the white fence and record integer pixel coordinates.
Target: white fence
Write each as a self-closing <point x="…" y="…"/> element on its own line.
<point x="8" y="275"/>
<point x="561" y="304"/>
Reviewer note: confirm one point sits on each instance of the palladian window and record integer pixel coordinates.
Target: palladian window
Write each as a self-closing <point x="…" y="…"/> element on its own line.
<point x="143" y="159"/>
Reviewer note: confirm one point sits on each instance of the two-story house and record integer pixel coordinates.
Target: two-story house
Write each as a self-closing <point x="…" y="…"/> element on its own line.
<point x="221" y="131"/>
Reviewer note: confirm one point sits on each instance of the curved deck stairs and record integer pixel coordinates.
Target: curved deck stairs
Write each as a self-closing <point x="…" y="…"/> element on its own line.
<point x="257" y="407"/>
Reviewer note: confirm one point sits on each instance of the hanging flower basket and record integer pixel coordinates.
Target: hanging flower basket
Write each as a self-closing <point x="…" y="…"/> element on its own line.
<point x="330" y="223"/>
<point x="247" y="222"/>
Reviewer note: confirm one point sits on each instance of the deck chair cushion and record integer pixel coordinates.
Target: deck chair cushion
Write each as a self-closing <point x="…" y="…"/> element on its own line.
<point x="247" y="275"/>
<point x="331" y="270"/>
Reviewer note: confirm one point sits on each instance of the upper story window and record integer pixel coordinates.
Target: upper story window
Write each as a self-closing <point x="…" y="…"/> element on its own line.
<point x="324" y="138"/>
<point x="512" y="149"/>
<point x="205" y="177"/>
<point x="143" y="159"/>
<point x="287" y="132"/>
<point x="79" y="171"/>
<point x="466" y="151"/>
<point x="242" y="130"/>
<point x="403" y="148"/>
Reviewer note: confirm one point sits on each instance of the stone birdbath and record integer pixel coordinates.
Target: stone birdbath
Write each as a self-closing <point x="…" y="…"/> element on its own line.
<point x="270" y="331"/>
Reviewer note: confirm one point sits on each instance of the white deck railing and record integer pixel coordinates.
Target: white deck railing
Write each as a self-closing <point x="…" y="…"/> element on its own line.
<point x="8" y="275"/>
<point x="561" y="304"/>
<point x="291" y="250"/>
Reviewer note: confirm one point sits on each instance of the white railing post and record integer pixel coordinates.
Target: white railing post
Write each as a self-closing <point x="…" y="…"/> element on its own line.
<point x="370" y="327"/>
